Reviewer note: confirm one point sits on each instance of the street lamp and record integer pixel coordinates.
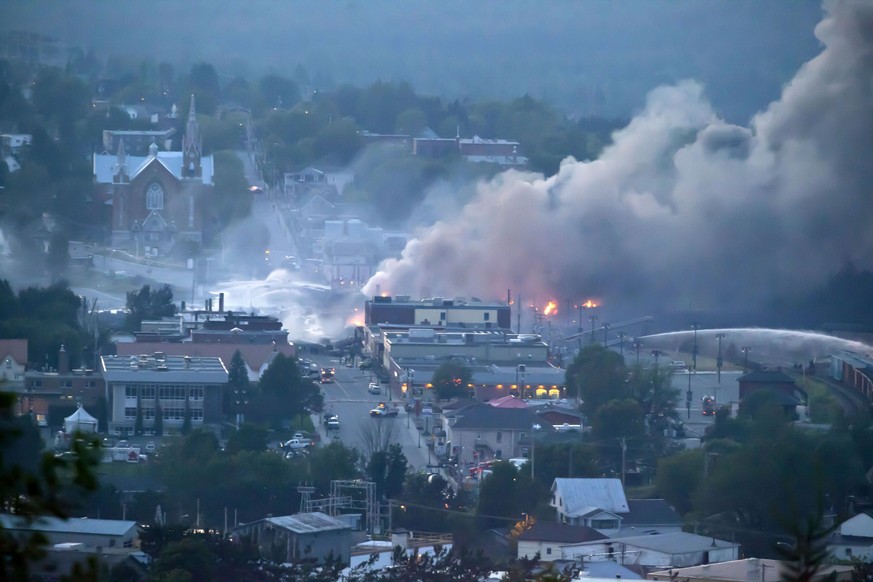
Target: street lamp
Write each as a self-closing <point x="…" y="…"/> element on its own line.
<point x="637" y="346"/>
<point x="606" y="327"/>
<point x="621" y="336"/>
<point x="533" y="428"/>
<point x="593" y="319"/>
<point x="746" y="350"/>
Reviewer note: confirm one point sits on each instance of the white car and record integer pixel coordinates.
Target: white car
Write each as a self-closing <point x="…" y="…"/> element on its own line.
<point x="374" y="388"/>
<point x="150" y="447"/>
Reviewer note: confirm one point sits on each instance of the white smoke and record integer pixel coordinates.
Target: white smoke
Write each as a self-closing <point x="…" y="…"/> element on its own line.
<point x="683" y="210"/>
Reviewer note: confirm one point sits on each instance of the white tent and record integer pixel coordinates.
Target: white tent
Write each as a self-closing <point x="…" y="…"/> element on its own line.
<point x="80" y="421"/>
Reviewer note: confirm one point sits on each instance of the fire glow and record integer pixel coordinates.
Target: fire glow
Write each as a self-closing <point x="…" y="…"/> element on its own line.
<point x="590" y="304"/>
<point x="551" y="308"/>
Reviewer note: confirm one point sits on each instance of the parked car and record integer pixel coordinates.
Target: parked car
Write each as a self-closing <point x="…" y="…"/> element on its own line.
<point x="150" y="447"/>
<point x="383" y="411"/>
<point x="296" y="444"/>
<point x="333" y="423"/>
<point x="122" y="444"/>
<point x="374" y="388"/>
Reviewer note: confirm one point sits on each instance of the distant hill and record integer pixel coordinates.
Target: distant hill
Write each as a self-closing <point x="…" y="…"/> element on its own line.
<point x="594" y="57"/>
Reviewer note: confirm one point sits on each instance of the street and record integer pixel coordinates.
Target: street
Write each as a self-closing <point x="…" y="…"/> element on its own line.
<point x="348" y="398"/>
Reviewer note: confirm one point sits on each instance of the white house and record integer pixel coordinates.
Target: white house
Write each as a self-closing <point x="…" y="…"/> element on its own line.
<point x="595" y="503"/>
<point x="546" y="539"/>
<point x="853" y="539"/>
<point x="655" y="551"/>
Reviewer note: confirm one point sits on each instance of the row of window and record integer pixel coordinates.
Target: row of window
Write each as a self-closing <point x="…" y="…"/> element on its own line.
<point x="168" y="413"/>
<point x="64" y="383"/>
<point x="172" y="392"/>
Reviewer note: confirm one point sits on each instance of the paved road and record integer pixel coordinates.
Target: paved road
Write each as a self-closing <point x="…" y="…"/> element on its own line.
<point x="348" y="398"/>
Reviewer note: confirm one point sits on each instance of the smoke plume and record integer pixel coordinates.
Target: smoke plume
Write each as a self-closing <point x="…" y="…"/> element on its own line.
<point x="682" y="210"/>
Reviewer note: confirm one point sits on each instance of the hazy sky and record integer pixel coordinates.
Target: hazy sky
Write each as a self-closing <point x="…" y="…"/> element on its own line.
<point x="588" y="56"/>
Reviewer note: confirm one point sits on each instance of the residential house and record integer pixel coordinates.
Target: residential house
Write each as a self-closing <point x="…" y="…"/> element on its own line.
<point x="301" y="536"/>
<point x="747" y="570"/>
<point x="329" y="183"/>
<point x="376" y="555"/>
<point x="13" y="360"/>
<point x="72" y="541"/>
<point x="853" y="539"/>
<point x="481" y="432"/>
<point x="546" y="539"/>
<point x="601" y="504"/>
<point x="673" y="550"/>
<point x="158" y="200"/>
<point x="854" y="370"/>
<point x="595" y="503"/>
<point x="649" y="516"/>
<point x="173" y="386"/>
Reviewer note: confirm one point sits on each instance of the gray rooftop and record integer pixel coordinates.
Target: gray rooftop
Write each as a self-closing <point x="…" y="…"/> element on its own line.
<point x="676" y="543"/>
<point x="157" y="368"/>
<point x="172" y="161"/>
<point x="581" y="495"/>
<point x="302" y="523"/>
<point x="77" y="525"/>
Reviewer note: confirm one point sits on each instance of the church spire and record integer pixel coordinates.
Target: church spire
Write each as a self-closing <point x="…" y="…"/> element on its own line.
<point x="119" y="173"/>
<point x="192" y="146"/>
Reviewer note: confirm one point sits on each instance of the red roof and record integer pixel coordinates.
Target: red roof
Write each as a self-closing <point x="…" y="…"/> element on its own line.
<point x="17" y="348"/>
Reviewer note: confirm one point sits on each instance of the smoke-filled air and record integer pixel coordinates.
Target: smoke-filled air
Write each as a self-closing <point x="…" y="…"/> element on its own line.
<point x="682" y="210"/>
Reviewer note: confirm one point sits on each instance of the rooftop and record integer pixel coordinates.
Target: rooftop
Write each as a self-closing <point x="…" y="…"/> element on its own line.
<point x="163" y="368"/>
<point x="302" y="523"/>
<point x="78" y="525"/>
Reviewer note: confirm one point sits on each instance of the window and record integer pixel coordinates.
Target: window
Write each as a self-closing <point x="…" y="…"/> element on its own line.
<point x="549" y="551"/>
<point x="195" y="393"/>
<point x="111" y="542"/>
<point x="499" y="437"/>
<point x="130" y="412"/>
<point x="130" y="391"/>
<point x="604" y="523"/>
<point x="196" y="414"/>
<point x="90" y="384"/>
<point x="155" y="197"/>
<point x="487" y="316"/>
<point x="148" y="413"/>
<point x="128" y="543"/>
<point x="67" y="384"/>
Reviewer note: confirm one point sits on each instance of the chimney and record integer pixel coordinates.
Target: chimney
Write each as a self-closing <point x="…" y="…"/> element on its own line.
<point x="221" y="302"/>
<point x="63" y="361"/>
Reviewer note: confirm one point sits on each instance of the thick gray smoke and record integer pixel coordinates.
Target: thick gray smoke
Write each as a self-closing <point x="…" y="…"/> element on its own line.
<point x="683" y="210"/>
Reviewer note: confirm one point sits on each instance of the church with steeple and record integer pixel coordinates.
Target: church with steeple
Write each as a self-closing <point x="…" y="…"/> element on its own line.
<point x="160" y="200"/>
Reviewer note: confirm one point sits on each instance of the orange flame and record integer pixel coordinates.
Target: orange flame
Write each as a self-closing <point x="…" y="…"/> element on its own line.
<point x="550" y="308"/>
<point x="589" y="304"/>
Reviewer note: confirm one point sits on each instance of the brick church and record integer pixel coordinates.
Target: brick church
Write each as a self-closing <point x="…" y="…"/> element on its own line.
<point x="159" y="200"/>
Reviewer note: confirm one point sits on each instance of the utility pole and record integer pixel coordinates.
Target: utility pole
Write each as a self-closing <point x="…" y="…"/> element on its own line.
<point x="745" y="350"/>
<point x="719" y="361"/>
<point x="623" y="442"/>
<point x="534" y="427"/>
<point x="606" y="327"/>
<point x="518" y="314"/>
<point x="688" y="394"/>
<point x="621" y="336"/>
<point x="694" y="326"/>
<point x="593" y="319"/>
<point x="656" y="354"/>
<point x="637" y="345"/>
